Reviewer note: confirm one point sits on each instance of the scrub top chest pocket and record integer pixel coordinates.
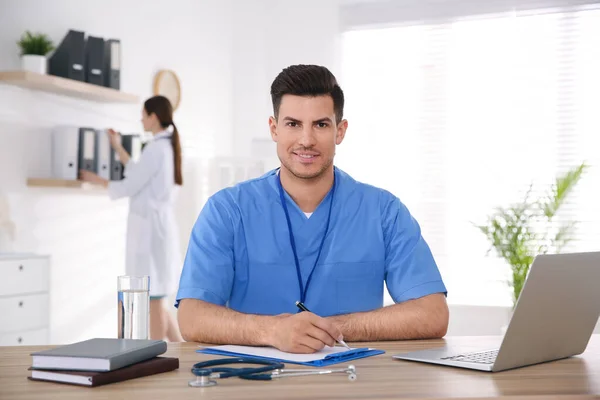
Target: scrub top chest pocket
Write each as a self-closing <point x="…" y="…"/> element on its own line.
<point x="358" y="286"/>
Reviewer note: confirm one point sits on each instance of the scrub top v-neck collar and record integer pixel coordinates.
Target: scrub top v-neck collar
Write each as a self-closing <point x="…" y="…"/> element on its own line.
<point x="319" y="212"/>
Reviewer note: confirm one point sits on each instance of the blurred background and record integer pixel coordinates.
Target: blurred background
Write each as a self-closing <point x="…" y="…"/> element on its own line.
<point x="482" y="116"/>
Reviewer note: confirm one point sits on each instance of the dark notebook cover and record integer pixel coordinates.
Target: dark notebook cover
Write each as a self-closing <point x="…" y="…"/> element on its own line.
<point x="145" y="368"/>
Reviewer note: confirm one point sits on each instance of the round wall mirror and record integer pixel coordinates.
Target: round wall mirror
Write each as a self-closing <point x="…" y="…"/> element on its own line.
<point x="166" y="83"/>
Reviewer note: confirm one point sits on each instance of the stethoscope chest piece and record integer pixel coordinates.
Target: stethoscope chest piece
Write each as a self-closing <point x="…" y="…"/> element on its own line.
<point x="202" y="380"/>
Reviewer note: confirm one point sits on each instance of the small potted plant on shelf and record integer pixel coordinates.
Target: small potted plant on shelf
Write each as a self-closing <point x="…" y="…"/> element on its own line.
<point x="523" y="230"/>
<point x="34" y="48"/>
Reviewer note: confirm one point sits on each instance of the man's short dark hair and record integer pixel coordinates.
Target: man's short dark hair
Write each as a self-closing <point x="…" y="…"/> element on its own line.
<point x="307" y="80"/>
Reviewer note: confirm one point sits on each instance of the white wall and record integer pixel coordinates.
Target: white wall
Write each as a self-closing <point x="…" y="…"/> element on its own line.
<point x="84" y="233"/>
<point x="270" y="35"/>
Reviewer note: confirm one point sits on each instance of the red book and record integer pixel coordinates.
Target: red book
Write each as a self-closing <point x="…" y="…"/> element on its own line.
<point x="153" y="366"/>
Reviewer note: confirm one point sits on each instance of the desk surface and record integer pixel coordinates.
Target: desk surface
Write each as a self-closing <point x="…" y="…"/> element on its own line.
<point x="379" y="377"/>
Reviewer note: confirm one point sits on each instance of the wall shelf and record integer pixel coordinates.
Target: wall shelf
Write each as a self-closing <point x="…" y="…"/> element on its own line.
<point x="63" y="86"/>
<point x="61" y="183"/>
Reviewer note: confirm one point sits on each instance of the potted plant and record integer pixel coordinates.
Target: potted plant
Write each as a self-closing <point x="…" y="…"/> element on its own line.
<point x="523" y="230"/>
<point x="34" y="48"/>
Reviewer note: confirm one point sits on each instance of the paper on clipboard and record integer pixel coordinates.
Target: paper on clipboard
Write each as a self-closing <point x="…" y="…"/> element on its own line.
<point x="327" y="356"/>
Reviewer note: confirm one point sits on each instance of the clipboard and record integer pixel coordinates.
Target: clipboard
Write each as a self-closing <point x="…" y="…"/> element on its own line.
<point x="326" y="357"/>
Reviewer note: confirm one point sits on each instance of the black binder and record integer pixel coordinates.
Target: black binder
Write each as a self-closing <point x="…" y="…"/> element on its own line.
<point x="116" y="167"/>
<point x="68" y="60"/>
<point x="94" y="61"/>
<point x="132" y="143"/>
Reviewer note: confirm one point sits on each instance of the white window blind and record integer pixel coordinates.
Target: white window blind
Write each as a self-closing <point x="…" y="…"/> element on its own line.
<point x="460" y="115"/>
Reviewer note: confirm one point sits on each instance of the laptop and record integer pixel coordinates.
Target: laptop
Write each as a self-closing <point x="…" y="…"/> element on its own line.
<point x="554" y="318"/>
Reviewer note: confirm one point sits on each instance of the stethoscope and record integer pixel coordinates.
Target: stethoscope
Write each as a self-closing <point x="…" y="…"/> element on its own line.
<point x="205" y="371"/>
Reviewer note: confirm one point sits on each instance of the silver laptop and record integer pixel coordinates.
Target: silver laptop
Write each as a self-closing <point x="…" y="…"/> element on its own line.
<point x="554" y="318"/>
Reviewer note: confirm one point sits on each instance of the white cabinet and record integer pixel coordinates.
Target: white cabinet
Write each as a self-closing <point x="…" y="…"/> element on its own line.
<point x="24" y="299"/>
<point x="26" y="338"/>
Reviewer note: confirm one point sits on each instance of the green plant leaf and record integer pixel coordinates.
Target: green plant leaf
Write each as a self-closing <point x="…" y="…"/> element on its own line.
<point x="520" y="231"/>
<point x="563" y="236"/>
<point x="560" y="190"/>
<point x="38" y="44"/>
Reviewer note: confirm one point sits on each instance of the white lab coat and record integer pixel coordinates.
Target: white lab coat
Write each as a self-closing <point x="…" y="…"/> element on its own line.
<point x="152" y="243"/>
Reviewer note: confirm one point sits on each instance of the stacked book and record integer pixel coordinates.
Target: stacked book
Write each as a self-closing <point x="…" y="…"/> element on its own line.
<point x="97" y="362"/>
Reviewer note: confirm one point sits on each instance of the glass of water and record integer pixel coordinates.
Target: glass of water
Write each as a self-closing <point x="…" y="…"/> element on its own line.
<point x="133" y="307"/>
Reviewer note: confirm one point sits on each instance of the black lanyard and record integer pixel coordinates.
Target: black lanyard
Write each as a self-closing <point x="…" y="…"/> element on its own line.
<point x="293" y="242"/>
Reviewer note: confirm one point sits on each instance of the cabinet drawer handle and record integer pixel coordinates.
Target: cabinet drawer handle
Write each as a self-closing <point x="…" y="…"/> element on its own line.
<point x="20" y="268"/>
<point x="20" y="304"/>
<point x="20" y="339"/>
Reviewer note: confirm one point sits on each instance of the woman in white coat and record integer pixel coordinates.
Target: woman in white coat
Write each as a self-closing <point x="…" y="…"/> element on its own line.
<point x="151" y="184"/>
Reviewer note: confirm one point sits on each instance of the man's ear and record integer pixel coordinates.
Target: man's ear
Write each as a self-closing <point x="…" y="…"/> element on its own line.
<point x="341" y="132"/>
<point x="273" y="128"/>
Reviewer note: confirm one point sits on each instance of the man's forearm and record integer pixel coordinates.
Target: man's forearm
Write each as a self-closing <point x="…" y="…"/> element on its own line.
<point x="204" y="322"/>
<point x="423" y="318"/>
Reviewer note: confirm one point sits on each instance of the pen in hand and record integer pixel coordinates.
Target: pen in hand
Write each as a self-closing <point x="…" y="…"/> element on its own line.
<point x="301" y="306"/>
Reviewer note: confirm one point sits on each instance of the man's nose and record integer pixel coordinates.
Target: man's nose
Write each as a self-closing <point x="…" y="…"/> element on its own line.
<point x="308" y="137"/>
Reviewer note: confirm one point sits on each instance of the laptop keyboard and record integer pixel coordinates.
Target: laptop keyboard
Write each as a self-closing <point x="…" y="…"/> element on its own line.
<point x="483" y="357"/>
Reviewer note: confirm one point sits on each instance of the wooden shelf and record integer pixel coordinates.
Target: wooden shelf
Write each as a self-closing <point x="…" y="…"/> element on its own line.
<point x="69" y="87"/>
<point x="61" y="183"/>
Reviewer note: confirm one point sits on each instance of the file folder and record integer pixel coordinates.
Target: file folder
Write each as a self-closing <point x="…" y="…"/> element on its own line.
<point x="68" y="59"/>
<point x="94" y="61"/>
<point x="104" y="152"/>
<point x="65" y="150"/>
<point x="116" y="166"/>
<point x="112" y="63"/>
<point x="132" y="143"/>
<point x="329" y="356"/>
<point x="87" y="150"/>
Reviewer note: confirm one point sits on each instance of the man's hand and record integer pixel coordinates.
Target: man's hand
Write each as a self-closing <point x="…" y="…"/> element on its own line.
<point x="303" y="333"/>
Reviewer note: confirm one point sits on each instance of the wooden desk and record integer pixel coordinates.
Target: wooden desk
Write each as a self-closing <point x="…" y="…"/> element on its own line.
<point x="379" y="377"/>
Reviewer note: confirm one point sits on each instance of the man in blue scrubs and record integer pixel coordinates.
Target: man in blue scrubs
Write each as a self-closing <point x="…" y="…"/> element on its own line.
<point x="308" y="232"/>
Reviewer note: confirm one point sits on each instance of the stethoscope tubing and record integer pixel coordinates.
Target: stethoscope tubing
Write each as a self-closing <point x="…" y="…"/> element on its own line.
<point x="208" y="368"/>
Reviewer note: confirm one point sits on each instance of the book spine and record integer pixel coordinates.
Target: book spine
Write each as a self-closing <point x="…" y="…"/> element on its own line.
<point x="132" y="373"/>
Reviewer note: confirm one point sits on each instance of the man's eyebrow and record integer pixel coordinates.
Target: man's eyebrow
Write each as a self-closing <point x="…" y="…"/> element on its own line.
<point x="324" y="119"/>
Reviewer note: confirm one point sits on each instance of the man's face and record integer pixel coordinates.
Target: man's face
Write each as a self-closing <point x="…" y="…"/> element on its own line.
<point x="306" y="134"/>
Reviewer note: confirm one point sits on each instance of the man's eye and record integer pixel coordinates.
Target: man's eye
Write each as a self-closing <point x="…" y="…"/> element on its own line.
<point x="322" y="124"/>
<point x="292" y="124"/>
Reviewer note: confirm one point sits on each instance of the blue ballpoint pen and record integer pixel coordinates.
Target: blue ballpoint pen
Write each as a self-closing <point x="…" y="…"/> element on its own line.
<point x="301" y="306"/>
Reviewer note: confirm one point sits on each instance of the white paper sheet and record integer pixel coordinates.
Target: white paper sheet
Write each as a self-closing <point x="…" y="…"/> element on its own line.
<point x="272" y="352"/>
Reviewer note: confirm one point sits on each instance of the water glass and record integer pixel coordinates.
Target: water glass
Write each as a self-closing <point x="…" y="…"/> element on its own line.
<point x="133" y="307"/>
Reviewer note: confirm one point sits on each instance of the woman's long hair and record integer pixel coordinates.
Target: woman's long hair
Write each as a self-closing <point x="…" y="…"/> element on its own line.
<point x="162" y="108"/>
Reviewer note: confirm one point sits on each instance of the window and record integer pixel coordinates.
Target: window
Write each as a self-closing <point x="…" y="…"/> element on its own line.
<point x="459" y="116"/>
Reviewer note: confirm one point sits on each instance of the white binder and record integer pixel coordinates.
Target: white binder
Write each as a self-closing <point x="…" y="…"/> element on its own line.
<point x="65" y="151"/>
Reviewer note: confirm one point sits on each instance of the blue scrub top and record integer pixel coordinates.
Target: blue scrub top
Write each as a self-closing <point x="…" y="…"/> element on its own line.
<point x="240" y="255"/>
